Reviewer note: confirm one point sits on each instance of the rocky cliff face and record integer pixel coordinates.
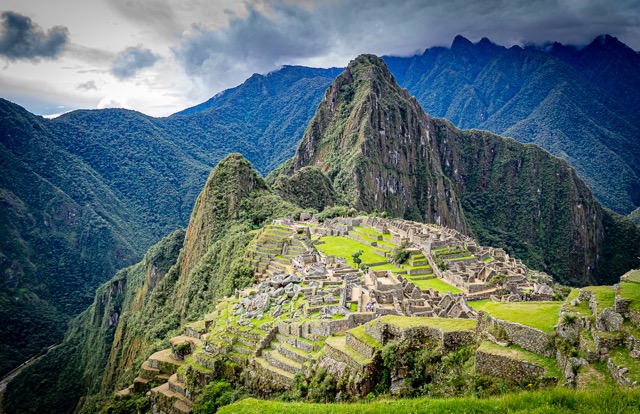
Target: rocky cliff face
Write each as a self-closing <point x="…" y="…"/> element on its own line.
<point x="373" y="141"/>
<point x="520" y="196"/>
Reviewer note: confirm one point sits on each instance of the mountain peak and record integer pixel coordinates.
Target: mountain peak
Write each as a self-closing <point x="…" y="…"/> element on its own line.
<point x="461" y="43"/>
<point x="371" y="139"/>
<point x="220" y="201"/>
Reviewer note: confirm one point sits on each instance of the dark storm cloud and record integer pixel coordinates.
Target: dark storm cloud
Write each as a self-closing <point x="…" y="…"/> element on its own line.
<point x="281" y="32"/>
<point x="21" y="38"/>
<point x="131" y="60"/>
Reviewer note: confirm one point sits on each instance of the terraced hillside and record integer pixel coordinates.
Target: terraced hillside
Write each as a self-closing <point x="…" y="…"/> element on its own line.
<point x="315" y="311"/>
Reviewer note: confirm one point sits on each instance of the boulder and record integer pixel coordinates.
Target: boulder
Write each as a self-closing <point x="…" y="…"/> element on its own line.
<point x="609" y="320"/>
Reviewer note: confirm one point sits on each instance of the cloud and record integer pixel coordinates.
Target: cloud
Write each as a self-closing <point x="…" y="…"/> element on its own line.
<point x="87" y="86"/>
<point x="275" y="32"/>
<point x="21" y="38"/>
<point x="131" y="60"/>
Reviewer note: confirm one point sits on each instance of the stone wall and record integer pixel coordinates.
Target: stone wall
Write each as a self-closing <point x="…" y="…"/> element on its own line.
<point x="619" y="374"/>
<point x="531" y="339"/>
<point x="511" y="369"/>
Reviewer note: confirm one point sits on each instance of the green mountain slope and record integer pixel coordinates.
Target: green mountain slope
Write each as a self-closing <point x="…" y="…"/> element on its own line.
<point x="179" y="280"/>
<point x="62" y="233"/>
<point x="573" y="108"/>
<point x="371" y="139"/>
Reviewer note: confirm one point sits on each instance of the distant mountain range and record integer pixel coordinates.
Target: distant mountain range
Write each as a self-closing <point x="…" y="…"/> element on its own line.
<point x="580" y="105"/>
<point x="87" y="193"/>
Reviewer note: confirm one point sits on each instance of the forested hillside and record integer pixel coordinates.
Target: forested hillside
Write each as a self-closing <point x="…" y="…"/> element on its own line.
<point x="87" y="193"/>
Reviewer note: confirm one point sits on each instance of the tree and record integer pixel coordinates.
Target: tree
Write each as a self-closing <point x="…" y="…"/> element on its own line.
<point x="356" y="257"/>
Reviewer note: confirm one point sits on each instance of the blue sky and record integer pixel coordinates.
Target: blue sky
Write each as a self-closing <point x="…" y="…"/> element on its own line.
<point x="159" y="56"/>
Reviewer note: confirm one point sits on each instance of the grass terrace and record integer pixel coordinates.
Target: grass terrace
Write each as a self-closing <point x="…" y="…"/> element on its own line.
<point x="582" y="309"/>
<point x="343" y="247"/>
<point x="539" y="315"/>
<point x="621" y="357"/>
<point x="605" y="295"/>
<point x="631" y="291"/>
<point x="435" y="284"/>
<point x="515" y="352"/>
<point x="633" y="276"/>
<point x="364" y="337"/>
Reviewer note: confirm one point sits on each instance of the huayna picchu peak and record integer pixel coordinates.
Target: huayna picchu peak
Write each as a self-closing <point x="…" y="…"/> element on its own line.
<point x="390" y="254"/>
<point x="373" y="142"/>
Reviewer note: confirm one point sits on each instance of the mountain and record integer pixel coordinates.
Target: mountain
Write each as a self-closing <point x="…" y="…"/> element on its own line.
<point x="85" y="194"/>
<point x="578" y="105"/>
<point x="635" y="216"/>
<point x="263" y="118"/>
<point x="496" y="188"/>
<point x="370" y="138"/>
<point x="62" y="233"/>
<point x="381" y="152"/>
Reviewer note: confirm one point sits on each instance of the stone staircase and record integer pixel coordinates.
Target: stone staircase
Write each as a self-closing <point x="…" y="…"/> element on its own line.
<point x="272" y="250"/>
<point x="290" y="352"/>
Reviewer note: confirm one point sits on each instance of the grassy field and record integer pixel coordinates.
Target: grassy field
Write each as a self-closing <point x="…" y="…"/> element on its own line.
<point x="605" y="296"/>
<point x="631" y="291"/>
<point x="557" y="400"/>
<point x="515" y="352"/>
<point x="633" y="276"/>
<point x="582" y="309"/>
<point x="343" y="247"/>
<point x="540" y="315"/>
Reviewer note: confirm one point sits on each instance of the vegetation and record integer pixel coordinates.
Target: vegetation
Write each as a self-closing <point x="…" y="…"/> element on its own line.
<point x="434" y="283"/>
<point x="341" y="246"/>
<point x="540" y="315"/>
<point x="155" y="297"/>
<point x="554" y="401"/>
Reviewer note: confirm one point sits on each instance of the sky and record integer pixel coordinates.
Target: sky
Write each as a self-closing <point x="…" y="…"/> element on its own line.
<point x="161" y="56"/>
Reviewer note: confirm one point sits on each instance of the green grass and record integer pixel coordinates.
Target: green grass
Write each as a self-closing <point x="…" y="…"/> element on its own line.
<point x="364" y="337"/>
<point x="540" y="315"/>
<point x="343" y="247"/>
<point x="458" y="258"/>
<point x="551" y="401"/>
<point x="633" y="276"/>
<point x="515" y="352"/>
<point x="408" y="266"/>
<point x="389" y="266"/>
<point x="367" y="230"/>
<point x="353" y="307"/>
<point x="339" y="342"/>
<point x="621" y="357"/>
<point x="582" y="309"/>
<point x="436" y="284"/>
<point x="478" y="304"/>
<point x="444" y="324"/>
<point x="604" y="295"/>
<point x="631" y="291"/>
